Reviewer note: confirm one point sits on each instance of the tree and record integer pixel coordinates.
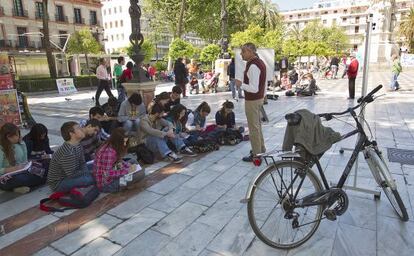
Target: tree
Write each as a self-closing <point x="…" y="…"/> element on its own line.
<point x="253" y="34"/>
<point x="148" y="48"/>
<point x="180" y="48"/>
<point x="210" y="53"/>
<point x="46" y="40"/>
<point x="407" y="29"/>
<point x="83" y="42"/>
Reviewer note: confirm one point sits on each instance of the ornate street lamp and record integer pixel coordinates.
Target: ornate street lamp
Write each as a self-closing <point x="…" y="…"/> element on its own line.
<point x="137" y="39"/>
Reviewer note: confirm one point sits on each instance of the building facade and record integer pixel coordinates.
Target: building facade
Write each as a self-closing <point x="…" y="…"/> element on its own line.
<point x="21" y="22"/>
<point x="352" y="15"/>
<point x="117" y="26"/>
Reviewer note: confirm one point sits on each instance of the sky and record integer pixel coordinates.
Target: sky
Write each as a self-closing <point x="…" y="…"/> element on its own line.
<point x="293" y="4"/>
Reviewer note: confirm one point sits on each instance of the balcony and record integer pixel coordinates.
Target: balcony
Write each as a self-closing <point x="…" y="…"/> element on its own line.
<point x="77" y="21"/>
<point x="61" y="18"/>
<point x="27" y="45"/>
<point x="1" y="11"/>
<point x="6" y="43"/>
<point x="20" y="13"/>
<point x="93" y="22"/>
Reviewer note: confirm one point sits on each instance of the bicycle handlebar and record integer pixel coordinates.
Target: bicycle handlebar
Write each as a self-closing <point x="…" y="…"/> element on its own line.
<point x="367" y="99"/>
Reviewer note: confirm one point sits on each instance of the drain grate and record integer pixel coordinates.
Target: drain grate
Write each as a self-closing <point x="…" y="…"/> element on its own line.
<point x="402" y="156"/>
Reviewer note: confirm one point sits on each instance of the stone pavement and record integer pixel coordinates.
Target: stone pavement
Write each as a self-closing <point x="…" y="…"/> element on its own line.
<point x="195" y="209"/>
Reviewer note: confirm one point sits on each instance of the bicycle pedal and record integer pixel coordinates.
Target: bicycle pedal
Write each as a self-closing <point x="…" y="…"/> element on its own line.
<point x="330" y="214"/>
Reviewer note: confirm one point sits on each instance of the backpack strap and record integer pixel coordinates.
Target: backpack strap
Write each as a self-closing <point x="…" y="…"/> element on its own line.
<point x="54" y="196"/>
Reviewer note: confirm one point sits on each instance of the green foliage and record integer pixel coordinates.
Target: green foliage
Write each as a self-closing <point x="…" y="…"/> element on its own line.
<point x="210" y="53"/>
<point x="407" y="29"/>
<point x="161" y="65"/>
<point x="83" y="42"/>
<point x="181" y="48"/>
<point x="147" y="47"/>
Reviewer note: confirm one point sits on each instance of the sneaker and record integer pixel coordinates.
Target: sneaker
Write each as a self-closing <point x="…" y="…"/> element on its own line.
<point x="248" y="158"/>
<point x="21" y="190"/>
<point x="188" y="152"/>
<point x="174" y="158"/>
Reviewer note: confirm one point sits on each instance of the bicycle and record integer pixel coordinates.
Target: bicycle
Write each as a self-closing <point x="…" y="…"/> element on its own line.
<point x="287" y="201"/>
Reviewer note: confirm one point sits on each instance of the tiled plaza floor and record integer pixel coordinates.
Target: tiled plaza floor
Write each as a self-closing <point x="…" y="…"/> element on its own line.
<point x="196" y="209"/>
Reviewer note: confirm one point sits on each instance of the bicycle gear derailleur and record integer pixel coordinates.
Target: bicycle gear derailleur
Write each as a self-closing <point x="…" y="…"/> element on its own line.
<point x="338" y="204"/>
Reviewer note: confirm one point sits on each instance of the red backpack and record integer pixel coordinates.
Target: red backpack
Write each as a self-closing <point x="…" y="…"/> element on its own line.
<point x="76" y="198"/>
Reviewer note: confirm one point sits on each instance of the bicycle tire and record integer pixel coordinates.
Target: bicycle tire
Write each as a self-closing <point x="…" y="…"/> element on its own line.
<point x="251" y="202"/>
<point x="384" y="179"/>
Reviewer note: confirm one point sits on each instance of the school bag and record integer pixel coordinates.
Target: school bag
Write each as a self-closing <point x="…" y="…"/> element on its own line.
<point x="230" y="137"/>
<point x="76" y="198"/>
<point x="205" y="145"/>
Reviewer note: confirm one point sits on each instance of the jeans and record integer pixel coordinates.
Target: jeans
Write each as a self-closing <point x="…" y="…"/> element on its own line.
<point x="22" y="180"/>
<point x="131" y="125"/>
<point x="103" y="85"/>
<point x="157" y="144"/>
<point x="78" y="180"/>
<point x="112" y="187"/>
<point x="394" y="83"/>
<point x="233" y="89"/>
<point x="121" y="94"/>
<point x="334" y="70"/>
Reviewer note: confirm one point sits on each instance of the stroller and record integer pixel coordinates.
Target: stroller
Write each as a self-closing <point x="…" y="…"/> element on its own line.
<point x="211" y="82"/>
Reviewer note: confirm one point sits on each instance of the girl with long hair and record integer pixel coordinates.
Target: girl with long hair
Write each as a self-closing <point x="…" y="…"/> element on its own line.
<point x="109" y="166"/>
<point x="13" y="157"/>
<point x="37" y="142"/>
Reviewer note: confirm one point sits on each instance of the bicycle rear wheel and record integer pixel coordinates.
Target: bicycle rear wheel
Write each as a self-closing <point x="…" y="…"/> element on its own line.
<point x="384" y="179"/>
<point x="271" y="211"/>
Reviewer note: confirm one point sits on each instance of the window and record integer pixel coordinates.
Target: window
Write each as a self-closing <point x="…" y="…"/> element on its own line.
<point x="78" y="16"/>
<point x="62" y="37"/>
<point x="109" y="11"/>
<point x="345" y="11"/>
<point x="59" y="13"/>
<point x="110" y="24"/>
<point x="324" y="21"/>
<point x="106" y="25"/>
<point x="114" y="10"/>
<point x="334" y="22"/>
<point x="92" y="17"/>
<point x="23" y="42"/>
<point x="122" y="37"/>
<point x="18" y="8"/>
<point x="299" y="15"/>
<point x="325" y="12"/>
<point x="112" y="38"/>
<point x="116" y="23"/>
<point x="39" y="10"/>
<point x="121" y="23"/>
<point x="117" y="37"/>
<point x="356" y="29"/>
<point x="120" y="8"/>
<point x="335" y="11"/>
<point x="356" y="20"/>
<point x="104" y="11"/>
<point x="343" y="19"/>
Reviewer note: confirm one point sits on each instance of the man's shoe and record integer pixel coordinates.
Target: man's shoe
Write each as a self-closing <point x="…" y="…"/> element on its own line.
<point x="174" y="158"/>
<point x="248" y="158"/>
<point x="188" y="152"/>
<point x="241" y="97"/>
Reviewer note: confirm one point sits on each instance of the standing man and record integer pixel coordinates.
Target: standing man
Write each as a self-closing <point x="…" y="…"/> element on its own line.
<point x="231" y="72"/>
<point x="396" y="70"/>
<point x="334" y="67"/>
<point x="103" y="81"/>
<point x="181" y="75"/>
<point x="254" y="84"/>
<point x="352" y="74"/>
<point x="117" y="75"/>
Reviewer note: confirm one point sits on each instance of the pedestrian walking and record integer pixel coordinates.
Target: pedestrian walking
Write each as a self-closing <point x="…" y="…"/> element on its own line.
<point x="118" y="69"/>
<point x="103" y="80"/>
<point x="231" y="72"/>
<point x="334" y="67"/>
<point x="181" y="75"/>
<point x="254" y="85"/>
<point x="396" y="70"/>
<point x="352" y="74"/>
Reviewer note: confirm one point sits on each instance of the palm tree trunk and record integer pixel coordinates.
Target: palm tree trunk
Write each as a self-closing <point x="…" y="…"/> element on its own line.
<point x="180" y="24"/>
<point x="46" y="41"/>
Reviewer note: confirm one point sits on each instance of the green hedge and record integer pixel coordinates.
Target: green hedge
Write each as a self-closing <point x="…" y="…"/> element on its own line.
<point x="49" y="84"/>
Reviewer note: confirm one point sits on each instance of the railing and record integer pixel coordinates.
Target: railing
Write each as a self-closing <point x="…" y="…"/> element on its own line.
<point x="61" y="18"/>
<point x="20" y="13"/>
<point x="38" y="15"/>
<point x="93" y="22"/>
<point x="6" y="43"/>
<point x="77" y="21"/>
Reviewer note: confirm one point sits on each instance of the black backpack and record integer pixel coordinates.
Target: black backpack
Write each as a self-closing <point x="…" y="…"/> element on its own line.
<point x="143" y="154"/>
<point x="205" y="145"/>
<point x="230" y="137"/>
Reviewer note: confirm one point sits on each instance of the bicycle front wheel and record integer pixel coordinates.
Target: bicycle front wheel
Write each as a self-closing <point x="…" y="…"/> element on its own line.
<point x="271" y="206"/>
<point x="384" y="179"/>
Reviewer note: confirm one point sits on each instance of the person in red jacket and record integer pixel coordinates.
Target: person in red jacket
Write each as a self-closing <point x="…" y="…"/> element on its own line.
<point x="352" y="74"/>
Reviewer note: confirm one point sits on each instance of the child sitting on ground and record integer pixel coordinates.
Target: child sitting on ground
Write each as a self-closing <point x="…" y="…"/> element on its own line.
<point x="194" y="84"/>
<point x="196" y="122"/>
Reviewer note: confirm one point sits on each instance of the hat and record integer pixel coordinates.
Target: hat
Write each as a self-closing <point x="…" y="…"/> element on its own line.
<point x="352" y="54"/>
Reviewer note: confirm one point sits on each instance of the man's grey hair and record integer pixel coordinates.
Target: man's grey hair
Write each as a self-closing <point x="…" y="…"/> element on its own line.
<point x="250" y="46"/>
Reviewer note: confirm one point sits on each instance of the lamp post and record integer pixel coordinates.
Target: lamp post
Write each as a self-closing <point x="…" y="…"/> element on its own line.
<point x="137" y="39"/>
<point x="224" y="42"/>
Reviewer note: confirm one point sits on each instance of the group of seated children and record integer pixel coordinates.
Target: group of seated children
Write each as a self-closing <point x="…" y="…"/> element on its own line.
<point x="166" y="128"/>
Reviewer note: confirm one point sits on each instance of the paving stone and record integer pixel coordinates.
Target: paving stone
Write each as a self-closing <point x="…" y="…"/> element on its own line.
<point x="99" y="246"/>
<point x="135" y="204"/>
<point x="233" y="175"/>
<point x="174" y="199"/>
<point x="209" y="253"/>
<point x="259" y="248"/>
<point x="394" y="237"/>
<point x="135" y="226"/>
<point x="209" y="194"/>
<point x="48" y="251"/>
<point x="202" y="179"/>
<point x="85" y="234"/>
<point x="195" y="168"/>
<point x="361" y="213"/>
<point x="179" y="219"/>
<point x="169" y="184"/>
<point x="24" y="231"/>
<point x="354" y="241"/>
<point x="234" y="238"/>
<point x="147" y="244"/>
<point x="190" y="242"/>
<point x="315" y="246"/>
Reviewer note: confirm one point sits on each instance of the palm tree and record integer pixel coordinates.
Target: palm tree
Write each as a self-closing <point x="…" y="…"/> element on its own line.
<point x="407" y="29"/>
<point x="271" y="18"/>
<point x="46" y="41"/>
<point x="295" y="33"/>
<point x="180" y="23"/>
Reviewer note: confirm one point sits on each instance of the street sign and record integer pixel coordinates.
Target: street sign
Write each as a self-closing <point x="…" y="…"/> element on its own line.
<point x="65" y="86"/>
